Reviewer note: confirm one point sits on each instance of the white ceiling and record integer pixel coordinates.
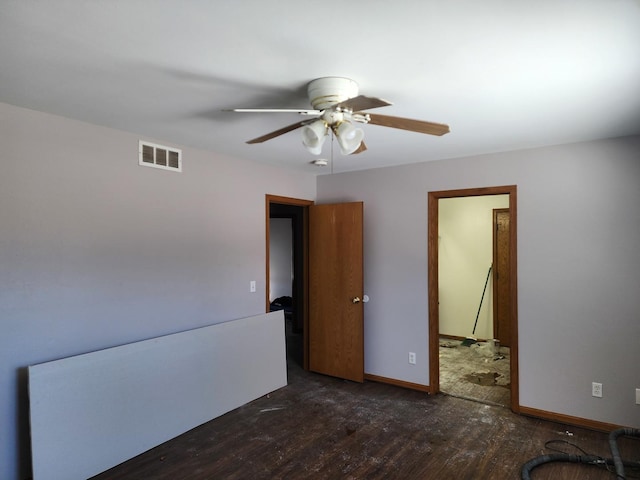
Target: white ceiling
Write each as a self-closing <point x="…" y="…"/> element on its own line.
<point x="503" y="74"/>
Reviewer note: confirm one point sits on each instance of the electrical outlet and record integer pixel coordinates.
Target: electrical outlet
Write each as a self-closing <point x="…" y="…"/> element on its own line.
<point x="252" y="286"/>
<point x="412" y="358"/>
<point x="637" y="396"/>
<point x="596" y="389"/>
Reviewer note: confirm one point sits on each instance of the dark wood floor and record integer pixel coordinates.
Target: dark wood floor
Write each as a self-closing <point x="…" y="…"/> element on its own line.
<point x="325" y="428"/>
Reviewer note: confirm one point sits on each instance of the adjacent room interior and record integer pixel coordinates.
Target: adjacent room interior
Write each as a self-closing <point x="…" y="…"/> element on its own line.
<point x="474" y="345"/>
<point x="286" y="272"/>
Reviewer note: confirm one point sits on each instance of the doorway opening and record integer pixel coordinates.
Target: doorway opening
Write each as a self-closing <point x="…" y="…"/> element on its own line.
<point x="327" y="284"/>
<point x="472" y="294"/>
<point x="287" y="270"/>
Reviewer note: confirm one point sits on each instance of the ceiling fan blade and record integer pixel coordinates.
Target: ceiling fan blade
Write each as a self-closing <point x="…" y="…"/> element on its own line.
<point x="360" y="149"/>
<point x="362" y="102"/>
<point x="277" y="133"/>
<point x="419" y="126"/>
<point x="301" y="111"/>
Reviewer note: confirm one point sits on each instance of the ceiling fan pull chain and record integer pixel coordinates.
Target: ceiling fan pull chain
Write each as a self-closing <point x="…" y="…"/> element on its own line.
<point x="332" y="135"/>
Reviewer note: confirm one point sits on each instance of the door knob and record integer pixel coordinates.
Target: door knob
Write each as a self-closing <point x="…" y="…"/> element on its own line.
<point x="355" y="300"/>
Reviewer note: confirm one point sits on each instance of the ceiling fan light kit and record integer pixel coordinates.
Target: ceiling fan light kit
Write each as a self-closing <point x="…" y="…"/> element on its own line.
<point x="313" y="135"/>
<point x="337" y="105"/>
<point x="349" y="137"/>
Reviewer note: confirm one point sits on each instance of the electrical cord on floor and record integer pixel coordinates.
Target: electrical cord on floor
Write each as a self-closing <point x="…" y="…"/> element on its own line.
<point x="617" y="462"/>
<point x="601" y="461"/>
<point x="548" y="446"/>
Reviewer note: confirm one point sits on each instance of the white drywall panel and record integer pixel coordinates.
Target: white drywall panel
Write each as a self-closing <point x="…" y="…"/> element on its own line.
<point x="91" y="412"/>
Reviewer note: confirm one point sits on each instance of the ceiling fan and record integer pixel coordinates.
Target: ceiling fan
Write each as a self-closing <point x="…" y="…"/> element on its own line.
<point x="336" y="106"/>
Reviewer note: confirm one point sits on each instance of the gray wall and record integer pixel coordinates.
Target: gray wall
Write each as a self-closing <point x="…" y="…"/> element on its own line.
<point x="578" y="268"/>
<point x="96" y="251"/>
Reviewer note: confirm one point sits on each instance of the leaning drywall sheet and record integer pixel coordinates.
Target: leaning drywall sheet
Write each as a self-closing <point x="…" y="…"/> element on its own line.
<point x="91" y="412"/>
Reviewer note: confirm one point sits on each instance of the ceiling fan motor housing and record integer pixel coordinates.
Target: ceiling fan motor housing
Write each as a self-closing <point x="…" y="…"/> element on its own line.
<point x="327" y="91"/>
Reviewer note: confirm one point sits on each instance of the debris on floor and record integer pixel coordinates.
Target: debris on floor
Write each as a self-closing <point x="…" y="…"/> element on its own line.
<point x="469" y="372"/>
<point x="483" y="378"/>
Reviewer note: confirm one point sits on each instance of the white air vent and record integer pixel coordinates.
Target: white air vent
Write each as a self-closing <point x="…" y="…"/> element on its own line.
<point x="159" y="156"/>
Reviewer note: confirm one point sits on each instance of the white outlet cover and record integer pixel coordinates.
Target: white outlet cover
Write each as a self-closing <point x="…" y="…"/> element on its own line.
<point x="412" y="358"/>
<point x="596" y="389"/>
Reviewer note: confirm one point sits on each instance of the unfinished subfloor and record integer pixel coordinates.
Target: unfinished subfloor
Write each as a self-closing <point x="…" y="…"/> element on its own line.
<point x="320" y="427"/>
<point x="475" y="372"/>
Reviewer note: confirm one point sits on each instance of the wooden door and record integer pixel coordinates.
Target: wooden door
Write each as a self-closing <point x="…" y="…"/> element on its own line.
<point x="501" y="281"/>
<point x="336" y="314"/>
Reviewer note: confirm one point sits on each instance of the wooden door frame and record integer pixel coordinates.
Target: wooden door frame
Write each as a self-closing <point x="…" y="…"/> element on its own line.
<point x="496" y="211"/>
<point x="269" y="199"/>
<point x="433" y="287"/>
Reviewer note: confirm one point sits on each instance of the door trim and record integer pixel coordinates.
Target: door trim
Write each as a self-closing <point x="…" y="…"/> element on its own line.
<point x="433" y="287"/>
<point x="269" y="199"/>
<point x="496" y="267"/>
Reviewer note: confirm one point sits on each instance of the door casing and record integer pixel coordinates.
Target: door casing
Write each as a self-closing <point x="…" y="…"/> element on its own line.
<point x="501" y="324"/>
<point x="433" y="288"/>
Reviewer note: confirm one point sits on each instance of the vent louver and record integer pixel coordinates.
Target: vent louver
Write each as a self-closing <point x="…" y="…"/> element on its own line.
<point x="159" y="156"/>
